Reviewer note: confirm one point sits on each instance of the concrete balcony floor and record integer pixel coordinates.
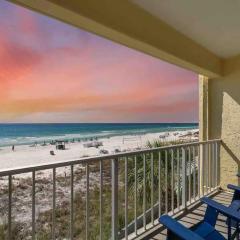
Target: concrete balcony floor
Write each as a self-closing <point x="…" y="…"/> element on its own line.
<point x="193" y="216"/>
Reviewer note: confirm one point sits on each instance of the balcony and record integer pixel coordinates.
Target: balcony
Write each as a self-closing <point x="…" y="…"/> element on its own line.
<point x="117" y="196"/>
<point x="122" y="196"/>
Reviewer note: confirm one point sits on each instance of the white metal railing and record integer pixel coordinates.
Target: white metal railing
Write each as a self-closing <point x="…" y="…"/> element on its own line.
<point x="122" y="195"/>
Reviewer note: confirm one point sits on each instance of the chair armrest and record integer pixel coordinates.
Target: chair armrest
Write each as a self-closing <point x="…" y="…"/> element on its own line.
<point x="234" y="187"/>
<point x="178" y="229"/>
<point x="227" y="211"/>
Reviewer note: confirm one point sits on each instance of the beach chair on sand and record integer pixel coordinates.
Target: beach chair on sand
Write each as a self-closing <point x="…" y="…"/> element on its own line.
<point x="52" y="153"/>
<point x="205" y="230"/>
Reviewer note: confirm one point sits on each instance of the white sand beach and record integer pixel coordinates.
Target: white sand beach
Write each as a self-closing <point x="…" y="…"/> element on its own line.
<point x="24" y="155"/>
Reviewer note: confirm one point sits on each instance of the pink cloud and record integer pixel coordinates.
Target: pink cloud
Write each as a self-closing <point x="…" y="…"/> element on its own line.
<point x="53" y="68"/>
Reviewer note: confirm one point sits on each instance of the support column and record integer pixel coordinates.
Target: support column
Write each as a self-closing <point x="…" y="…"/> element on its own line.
<point x="203" y="126"/>
<point x="203" y="108"/>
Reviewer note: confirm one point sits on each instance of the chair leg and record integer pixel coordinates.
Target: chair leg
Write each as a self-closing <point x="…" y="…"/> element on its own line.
<point x="229" y="229"/>
<point x="237" y="232"/>
<point x="172" y="236"/>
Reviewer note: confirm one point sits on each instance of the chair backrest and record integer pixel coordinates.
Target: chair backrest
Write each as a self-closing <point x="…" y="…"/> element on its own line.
<point x="211" y="215"/>
<point x="177" y="231"/>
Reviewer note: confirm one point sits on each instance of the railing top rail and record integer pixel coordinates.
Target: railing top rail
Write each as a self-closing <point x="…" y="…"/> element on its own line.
<point x="31" y="168"/>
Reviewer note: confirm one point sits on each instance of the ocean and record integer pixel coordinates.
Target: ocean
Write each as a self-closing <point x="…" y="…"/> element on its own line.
<point x="20" y="134"/>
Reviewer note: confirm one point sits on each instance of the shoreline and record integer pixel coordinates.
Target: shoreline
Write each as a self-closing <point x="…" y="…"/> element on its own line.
<point x="28" y="134"/>
<point x="25" y="155"/>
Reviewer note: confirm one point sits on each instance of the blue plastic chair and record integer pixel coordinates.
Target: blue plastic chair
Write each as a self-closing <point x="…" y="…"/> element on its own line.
<point x="235" y="204"/>
<point x="205" y="230"/>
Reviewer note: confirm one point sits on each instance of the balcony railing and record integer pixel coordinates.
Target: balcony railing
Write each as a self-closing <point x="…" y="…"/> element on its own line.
<point x="112" y="196"/>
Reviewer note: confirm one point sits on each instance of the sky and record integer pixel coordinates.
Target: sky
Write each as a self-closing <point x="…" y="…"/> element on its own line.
<point x="54" y="72"/>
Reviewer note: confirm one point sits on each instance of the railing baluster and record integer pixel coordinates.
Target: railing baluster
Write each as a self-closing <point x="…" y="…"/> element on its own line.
<point x="199" y="179"/>
<point x="126" y="198"/>
<point x="33" y="205"/>
<point x="71" y="202"/>
<point x="87" y="200"/>
<point x="159" y="185"/>
<point x="202" y="166"/>
<point x="135" y="195"/>
<point x="217" y="162"/>
<point x="144" y="192"/>
<point x="114" y="199"/>
<point x="184" y="178"/>
<point x="194" y="173"/>
<point x="9" y="207"/>
<point x="172" y="181"/>
<point x="214" y="165"/>
<point x="166" y="181"/>
<point x="101" y="200"/>
<point x="178" y="179"/>
<point x="152" y="186"/>
<point x="207" y="167"/>
<point x="54" y="205"/>
<point x="189" y="175"/>
<point x="210" y="166"/>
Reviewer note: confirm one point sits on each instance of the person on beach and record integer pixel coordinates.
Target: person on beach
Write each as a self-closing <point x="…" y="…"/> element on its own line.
<point x="13" y="148"/>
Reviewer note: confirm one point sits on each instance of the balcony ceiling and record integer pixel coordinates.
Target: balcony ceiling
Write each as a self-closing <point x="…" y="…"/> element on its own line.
<point x="214" y="24"/>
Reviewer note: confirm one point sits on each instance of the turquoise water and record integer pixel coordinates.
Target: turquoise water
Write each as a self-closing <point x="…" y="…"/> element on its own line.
<point x="29" y="133"/>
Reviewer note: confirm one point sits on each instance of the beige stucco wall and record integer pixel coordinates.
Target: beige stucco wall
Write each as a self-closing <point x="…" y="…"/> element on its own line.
<point x="223" y="120"/>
